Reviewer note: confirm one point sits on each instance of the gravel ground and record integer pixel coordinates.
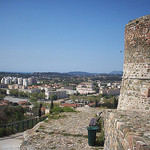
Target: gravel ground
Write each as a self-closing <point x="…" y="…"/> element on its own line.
<point x="66" y="133"/>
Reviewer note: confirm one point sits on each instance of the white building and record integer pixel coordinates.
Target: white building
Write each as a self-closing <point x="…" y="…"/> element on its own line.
<point x="69" y="90"/>
<point x="30" y="81"/>
<point x="7" y="80"/>
<point x="85" y="88"/>
<point x="114" y="91"/>
<point x="36" y="90"/>
<point x="25" y="82"/>
<point x="20" y="81"/>
<point x="3" y="80"/>
<point x="59" y="94"/>
<point x="46" y="88"/>
<point x="15" y="80"/>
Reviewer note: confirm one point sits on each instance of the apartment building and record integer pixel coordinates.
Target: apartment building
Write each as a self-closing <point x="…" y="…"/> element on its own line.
<point x="85" y="88"/>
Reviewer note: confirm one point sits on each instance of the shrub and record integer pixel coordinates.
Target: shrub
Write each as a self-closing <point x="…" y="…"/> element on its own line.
<point x="68" y="109"/>
<point x="101" y="138"/>
<point x="2" y="132"/>
<point x="60" y="109"/>
<point x="57" y="110"/>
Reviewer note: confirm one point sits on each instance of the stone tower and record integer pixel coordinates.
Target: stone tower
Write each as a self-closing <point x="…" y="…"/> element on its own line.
<point x="135" y="89"/>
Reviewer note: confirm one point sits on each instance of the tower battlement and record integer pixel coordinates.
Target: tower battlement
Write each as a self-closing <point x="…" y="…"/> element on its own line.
<point x="135" y="89"/>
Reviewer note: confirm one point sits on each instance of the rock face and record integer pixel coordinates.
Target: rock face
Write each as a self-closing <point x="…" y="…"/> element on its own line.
<point x="135" y="89"/>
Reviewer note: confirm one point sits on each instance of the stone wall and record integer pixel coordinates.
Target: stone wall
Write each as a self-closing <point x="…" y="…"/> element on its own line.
<point x="126" y="130"/>
<point x="128" y="127"/>
<point x="135" y="89"/>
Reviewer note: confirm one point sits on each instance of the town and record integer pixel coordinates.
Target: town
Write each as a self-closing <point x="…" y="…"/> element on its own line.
<point x="65" y="90"/>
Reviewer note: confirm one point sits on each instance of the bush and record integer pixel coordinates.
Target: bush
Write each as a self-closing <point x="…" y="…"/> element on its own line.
<point x="62" y="109"/>
<point x="68" y="109"/>
<point x="101" y="138"/>
<point x="57" y="110"/>
<point x="2" y="132"/>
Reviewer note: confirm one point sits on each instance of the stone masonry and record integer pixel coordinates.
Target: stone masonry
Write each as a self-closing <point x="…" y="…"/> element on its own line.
<point x="126" y="130"/>
<point x="128" y="127"/>
<point x="135" y="89"/>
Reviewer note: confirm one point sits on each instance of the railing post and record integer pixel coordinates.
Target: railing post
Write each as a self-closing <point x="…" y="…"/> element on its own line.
<point x="12" y="128"/>
<point x="23" y="125"/>
<point x="18" y="127"/>
<point x="27" y="124"/>
<point x="32" y="123"/>
<point x="5" y="132"/>
<point x="36" y="120"/>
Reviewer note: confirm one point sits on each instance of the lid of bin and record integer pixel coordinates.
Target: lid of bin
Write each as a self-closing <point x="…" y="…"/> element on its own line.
<point x="93" y="128"/>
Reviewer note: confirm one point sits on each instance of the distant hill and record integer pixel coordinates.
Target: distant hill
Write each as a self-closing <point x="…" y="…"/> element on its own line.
<point x="116" y="72"/>
<point x="80" y="73"/>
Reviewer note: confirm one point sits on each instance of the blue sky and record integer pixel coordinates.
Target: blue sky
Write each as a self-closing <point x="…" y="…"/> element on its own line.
<point x="65" y="35"/>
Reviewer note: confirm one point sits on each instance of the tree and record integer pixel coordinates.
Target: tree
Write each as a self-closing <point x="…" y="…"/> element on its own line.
<point x="115" y="103"/>
<point x="35" y="94"/>
<point x="41" y="95"/>
<point x="40" y="110"/>
<point x="33" y="99"/>
<point x="2" y="96"/>
<point x="2" y="91"/>
<point x="53" y="97"/>
<point x="14" y="93"/>
<point x="35" y="108"/>
<point x="13" y="113"/>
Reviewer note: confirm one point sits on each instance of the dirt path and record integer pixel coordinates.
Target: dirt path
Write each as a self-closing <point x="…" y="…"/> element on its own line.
<point x="11" y="142"/>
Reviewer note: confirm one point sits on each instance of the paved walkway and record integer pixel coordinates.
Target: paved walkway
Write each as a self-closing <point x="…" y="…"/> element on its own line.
<point x="12" y="142"/>
<point x="67" y="133"/>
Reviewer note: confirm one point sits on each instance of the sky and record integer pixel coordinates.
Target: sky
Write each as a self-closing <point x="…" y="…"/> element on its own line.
<point x="65" y="35"/>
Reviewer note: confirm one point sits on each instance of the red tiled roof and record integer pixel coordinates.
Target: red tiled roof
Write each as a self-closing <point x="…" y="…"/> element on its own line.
<point x="69" y="105"/>
<point x="5" y="101"/>
<point x="22" y="102"/>
<point x="91" y="104"/>
<point x="3" y="104"/>
<point x="24" y="106"/>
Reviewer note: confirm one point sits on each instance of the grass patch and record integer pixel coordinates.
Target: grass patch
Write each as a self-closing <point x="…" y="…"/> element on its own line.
<point x="101" y="138"/>
<point x="41" y="127"/>
<point x="46" y="121"/>
<point x="57" y="110"/>
<point x="55" y="116"/>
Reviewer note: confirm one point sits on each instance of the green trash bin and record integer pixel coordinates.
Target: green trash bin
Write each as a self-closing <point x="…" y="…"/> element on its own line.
<point x="92" y="135"/>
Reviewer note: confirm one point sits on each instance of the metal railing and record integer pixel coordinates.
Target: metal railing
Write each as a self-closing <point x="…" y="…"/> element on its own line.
<point x="19" y="126"/>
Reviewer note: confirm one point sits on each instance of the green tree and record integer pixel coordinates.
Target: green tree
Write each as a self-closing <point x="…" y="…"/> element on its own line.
<point x="33" y="99"/>
<point x="35" y="108"/>
<point x="2" y="96"/>
<point x="13" y="113"/>
<point x="14" y="93"/>
<point x="115" y="103"/>
<point x="53" y="97"/>
<point x="41" y="95"/>
<point x="34" y="95"/>
<point x="2" y="91"/>
<point x="39" y="114"/>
